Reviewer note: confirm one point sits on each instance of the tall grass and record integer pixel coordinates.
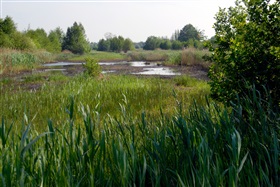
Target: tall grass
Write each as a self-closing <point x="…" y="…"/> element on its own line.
<point x="14" y="60"/>
<point x="155" y="55"/>
<point x="189" y="57"/>
<point x="98" y="55"/>
<point x="148" y="94"/>
<point x="197" y="146"/>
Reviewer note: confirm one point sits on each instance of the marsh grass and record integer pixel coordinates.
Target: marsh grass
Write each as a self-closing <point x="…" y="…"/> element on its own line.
<point x="196" y="146"/>
<point x="99" y="56"/>
<point x="155" y="55"/>
<point x="12" y="61"/>
<point x="189" y="57"/>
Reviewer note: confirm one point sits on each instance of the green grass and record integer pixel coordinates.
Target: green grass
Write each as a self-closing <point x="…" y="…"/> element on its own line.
<point x="155" y="55"/>
<point x="151" y="94"/>
<point x="198" y="145"/>
<point x="98" y="55"/>
<point x="12" y="61"/>
<point x="131" y="131"/>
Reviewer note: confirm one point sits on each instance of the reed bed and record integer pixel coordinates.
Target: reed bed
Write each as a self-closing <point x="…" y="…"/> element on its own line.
<point x="125" y="131"/>
<point x="12" y="61"/>
<point x="199" y="146"/>
<point x="149" y="94"/>
<point x="189" y="57"/>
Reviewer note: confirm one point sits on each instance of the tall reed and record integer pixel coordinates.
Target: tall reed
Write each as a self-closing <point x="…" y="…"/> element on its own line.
<point x="197" y="146"/>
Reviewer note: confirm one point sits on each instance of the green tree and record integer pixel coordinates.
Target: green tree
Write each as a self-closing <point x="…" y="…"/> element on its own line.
<point x="56" y="38"/>
<point x="7" y="30"/>
<point x="152" y="43"/>
<point x="116" y="43"/>
<point x="189" y="32"/>
<point x="165" y="44"/>
<point x="128" y="45"/>
<point x="40" y="38"/>
<point x="176" y="45"/>
<point x="7" y="26"/>
<point x="103" y="45"/>
<point x="75" y="39"/>
<point x="23" y="42"/>
<point x="247" y="51"/>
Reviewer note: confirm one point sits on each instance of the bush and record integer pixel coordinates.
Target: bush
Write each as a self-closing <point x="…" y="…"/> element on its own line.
<point x="247" y="38"/>
<point x="92" y="67"/>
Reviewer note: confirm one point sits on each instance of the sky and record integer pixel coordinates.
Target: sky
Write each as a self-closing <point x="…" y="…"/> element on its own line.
<point x="134" y="19"/>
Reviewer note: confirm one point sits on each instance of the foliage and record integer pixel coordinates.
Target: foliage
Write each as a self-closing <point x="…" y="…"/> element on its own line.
<point x="128" y="45"/>
<point x="40" y="38"/>
<point x="116" y="43"/>
<point x="103" y="45"/>
<point x="11" y="38"/>
<point x="13" y="60"/>
<point x="189" y="32"/>
<point x="152" y="43"/>
<point x="165" y="44"/>
<point x="247" y="38"/>
<point x="75" y="39"/>
<point x="202" y="145"/>
<point x="30" y="39"/>
<point x="177" y="45"/>
<point x="56" y="38"/>
<point x="92" y="67"/>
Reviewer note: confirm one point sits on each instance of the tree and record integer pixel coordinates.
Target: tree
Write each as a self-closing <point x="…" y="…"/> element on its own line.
<point x="40" y="38"/>
<point x="116" y="43"/>
<point x="103" y="45"/>
<point x="248" y="50"/>
<point x="165" y="44"/>
<point x="189" y="32"/>
<point x="7" y="30"/>
<point x="56" y="38"/>
<point x="7" y="26"/>
<point x="177" y="45"/>
<point x="128" y="45"/>
<point x="75" y="39"/>
<point x="175" y="35"/>
<point x="152" y="43"/>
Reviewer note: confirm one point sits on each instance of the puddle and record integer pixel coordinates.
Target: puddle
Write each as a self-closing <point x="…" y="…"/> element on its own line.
<point x="111" y="71"/>
<point x="112" y="63"/>
<point x="142" y="64"/>
<point x="62" y="64"/>
<point x="55" y="69"/>
<point x="157" y="71"/>
<point x="148" y="68"/>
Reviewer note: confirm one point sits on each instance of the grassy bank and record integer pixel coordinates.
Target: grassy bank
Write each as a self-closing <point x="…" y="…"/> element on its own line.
<point x="98" y="55"/>
<point x="198" y="145"/>
<point x="12" y="61"/>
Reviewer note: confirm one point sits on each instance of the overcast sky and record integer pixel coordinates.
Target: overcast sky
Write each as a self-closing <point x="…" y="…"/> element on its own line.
<point x="134" y="19"/>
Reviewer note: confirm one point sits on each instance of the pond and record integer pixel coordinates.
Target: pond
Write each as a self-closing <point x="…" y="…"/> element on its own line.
<point x="134" y="67"/>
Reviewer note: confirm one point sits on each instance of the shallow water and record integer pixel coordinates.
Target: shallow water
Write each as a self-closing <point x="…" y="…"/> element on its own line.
<point x="149" y="68"/>
<point x="142" y="64"/>
<point x="158" y="71"/>
<point x="62" y="64"/>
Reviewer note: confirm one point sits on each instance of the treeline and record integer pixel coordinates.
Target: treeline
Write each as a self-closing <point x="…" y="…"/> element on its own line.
<point x="55" y="41"/>
<point x="188" y="36"/>
<point x="75" y="40"/>
<point x="115" y="44"/>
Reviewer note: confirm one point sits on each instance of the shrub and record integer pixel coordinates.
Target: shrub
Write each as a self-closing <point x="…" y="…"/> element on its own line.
<point x="92" y="67"/>
<point x="247" y="52"/>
